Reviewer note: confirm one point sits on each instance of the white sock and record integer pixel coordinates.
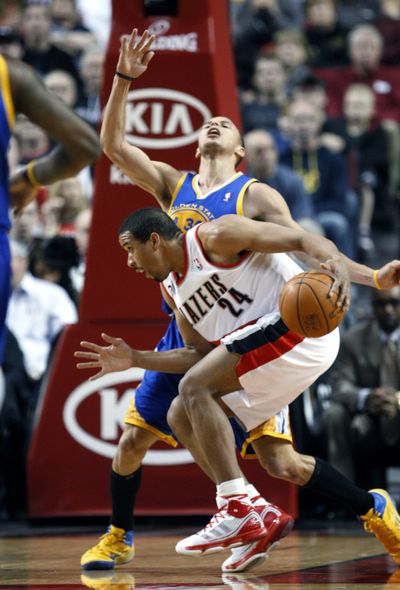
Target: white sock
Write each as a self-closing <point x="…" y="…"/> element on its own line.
<point x="233" y="487"/>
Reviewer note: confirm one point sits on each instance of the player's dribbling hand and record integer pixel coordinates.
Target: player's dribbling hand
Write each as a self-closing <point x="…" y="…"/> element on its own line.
<point x="135" y="56"/>
<point x="389" y="275"/>
<point x="341" y="285"/>
<point x="118" y="356"/>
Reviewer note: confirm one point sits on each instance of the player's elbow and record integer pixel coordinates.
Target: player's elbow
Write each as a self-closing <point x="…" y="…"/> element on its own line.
<point x="90" y="147"/>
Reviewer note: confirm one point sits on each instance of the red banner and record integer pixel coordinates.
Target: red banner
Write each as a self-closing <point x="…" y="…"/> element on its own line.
<point x="79" y="423"/>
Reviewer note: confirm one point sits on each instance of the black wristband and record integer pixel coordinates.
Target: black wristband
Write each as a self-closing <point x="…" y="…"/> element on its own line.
<point x="123" y="76"/>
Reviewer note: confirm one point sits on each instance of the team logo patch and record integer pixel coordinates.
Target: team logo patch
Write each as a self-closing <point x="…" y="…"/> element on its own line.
<point x="227" y="197"/>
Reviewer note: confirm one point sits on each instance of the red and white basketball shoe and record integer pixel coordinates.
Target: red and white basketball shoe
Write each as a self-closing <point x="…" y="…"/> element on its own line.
<point x="277" y="523"/>
<point x="236" y="523"/>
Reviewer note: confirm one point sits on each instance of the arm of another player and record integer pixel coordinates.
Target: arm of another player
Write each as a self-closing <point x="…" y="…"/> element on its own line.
<point x="157" y="178"/>
<point x="263" y="202"/>
<point x="119" y="356"/>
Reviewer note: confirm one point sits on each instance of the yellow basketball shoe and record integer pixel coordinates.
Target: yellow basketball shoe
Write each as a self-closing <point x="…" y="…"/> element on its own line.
<point x="384" y="521"/>
<point x="114" y="548"/>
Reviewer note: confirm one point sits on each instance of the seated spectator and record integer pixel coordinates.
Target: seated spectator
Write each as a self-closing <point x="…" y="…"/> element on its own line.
<point x="363" y="422"/>
<point x="10" y="43"/>
<point x="63" y="85"/>
<point x="92" y="73"/>
<point x="255" y="24"/>
<point x="326" y="37"/>
<point x="53" y="259"/>
<point x="365" y="52"/>
<point x="366" y="149"/>
<point x="324" y="176"/>
<point x="67" y="31"/>
<point x="290" y="47"/>
<point x="37" y="312"/>
<point x="262" y="163"/>
<point x="10" y="14"/>
<point x="40" y="52"/>
<point x="65" y="201"/>
<point x="27" y="227"/>
<point x="388" y="24"/>
<point x="262" y="105"/>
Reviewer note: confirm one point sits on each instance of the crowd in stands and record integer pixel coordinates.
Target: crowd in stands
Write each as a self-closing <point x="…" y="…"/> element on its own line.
<point x="319" y="92"/>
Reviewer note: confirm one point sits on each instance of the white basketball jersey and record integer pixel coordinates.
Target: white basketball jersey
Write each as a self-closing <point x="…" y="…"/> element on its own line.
<point x="217" y="299"/>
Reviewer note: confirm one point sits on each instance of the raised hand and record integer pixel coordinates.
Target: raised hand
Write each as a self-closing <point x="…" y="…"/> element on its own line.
<point x="117" y="356"/>
<point x="135" y="56"/>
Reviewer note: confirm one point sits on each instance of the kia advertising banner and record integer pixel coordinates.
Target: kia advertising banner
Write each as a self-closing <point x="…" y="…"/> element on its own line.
<point x="79" y="423"/>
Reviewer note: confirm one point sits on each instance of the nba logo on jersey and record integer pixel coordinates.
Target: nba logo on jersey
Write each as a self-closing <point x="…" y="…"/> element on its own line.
<point x="197" y="264"/>
<point x="171" y="288"/>
<point x="227" y="197"/>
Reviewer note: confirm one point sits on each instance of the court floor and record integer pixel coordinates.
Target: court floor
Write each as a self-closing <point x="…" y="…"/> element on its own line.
<point x="303" y="561"/>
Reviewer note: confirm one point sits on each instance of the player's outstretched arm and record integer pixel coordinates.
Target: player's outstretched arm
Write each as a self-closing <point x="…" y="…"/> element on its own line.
<point x="77" y="144"/>
<point x="157" y="178"/>
<point x="263" y="202"/>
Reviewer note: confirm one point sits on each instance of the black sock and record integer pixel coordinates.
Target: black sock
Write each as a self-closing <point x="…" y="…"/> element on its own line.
<point x="326" y="480"/>
<point x="123" y="495"/>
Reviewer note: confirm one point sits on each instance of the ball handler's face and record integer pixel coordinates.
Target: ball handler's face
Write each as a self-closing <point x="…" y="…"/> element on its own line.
<point x="219" y="135"/>
<point x="145" y="257"/>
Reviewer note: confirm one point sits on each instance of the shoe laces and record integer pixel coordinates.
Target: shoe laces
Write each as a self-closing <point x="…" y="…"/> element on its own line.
<point x="217" y="518"/>
<point x="110" y="539"/>
<point x="376" y="524"/>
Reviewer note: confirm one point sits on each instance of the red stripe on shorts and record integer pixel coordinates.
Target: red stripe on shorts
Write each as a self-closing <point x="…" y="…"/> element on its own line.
<point x="267" y="353"/>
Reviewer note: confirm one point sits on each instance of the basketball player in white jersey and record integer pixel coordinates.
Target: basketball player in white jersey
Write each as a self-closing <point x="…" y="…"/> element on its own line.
<point x="223" y="279"/>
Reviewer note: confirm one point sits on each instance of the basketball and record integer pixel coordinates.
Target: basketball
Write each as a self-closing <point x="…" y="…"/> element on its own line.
<point x="305" y="307"/>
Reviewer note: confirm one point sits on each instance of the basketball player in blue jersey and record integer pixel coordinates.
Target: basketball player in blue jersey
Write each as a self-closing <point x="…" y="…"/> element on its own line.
<point x="189" y="199"/>
<point x="77" y="145"/>
<point x="235" y="268"/>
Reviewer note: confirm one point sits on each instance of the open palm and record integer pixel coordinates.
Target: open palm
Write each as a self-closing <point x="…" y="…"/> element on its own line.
<point x="135" y="55"/>
<point x="117" y="356"/>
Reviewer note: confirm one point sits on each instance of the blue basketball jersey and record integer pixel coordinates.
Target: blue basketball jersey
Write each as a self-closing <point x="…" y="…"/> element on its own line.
<point x="190" y="206"/>
<point x="7" y="118"/>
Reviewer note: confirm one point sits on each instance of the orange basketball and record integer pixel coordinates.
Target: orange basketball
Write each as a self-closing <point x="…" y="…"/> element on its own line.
<point x="305" y="307"/>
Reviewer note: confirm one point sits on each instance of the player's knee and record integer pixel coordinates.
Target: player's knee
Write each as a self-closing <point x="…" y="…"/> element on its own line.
<point x="176" y="416"/>
<point x="188" y="387"/>
<point x="132" y="443"/>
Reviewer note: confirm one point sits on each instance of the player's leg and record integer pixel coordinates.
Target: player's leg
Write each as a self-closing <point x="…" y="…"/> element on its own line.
<point x="237" y="522"/>
<point x="375" y="508"/>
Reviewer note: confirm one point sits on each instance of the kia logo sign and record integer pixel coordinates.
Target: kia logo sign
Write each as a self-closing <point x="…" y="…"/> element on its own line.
<point x="163" y="118"/>
<point x="111" y="415"/>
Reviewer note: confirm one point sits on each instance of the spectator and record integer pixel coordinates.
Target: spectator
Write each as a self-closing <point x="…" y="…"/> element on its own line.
<point x="92" y="72"/>
<point x="27" y="226"/>
<point x="36" y="314"/>
<point x="262" y="106"/>
<point x="389" y="25"/>
<point x="365" y="51"/>
<point x="291" y="48"/>
<point x="363" y="422"/>
<point x="256" y="23"/>
<point x="262" y="162"/>
<point x="66" y="200"/>
<point x="40" y="52"/>
<point x="52" y="261"/>
<point x="324" y="175"/>
<point x="67" y="31"/>
<point x="366" y="148"/>
<point x="10" y="15"/>
<point x="325" y="36"/>
<point x="63" y="85"/>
